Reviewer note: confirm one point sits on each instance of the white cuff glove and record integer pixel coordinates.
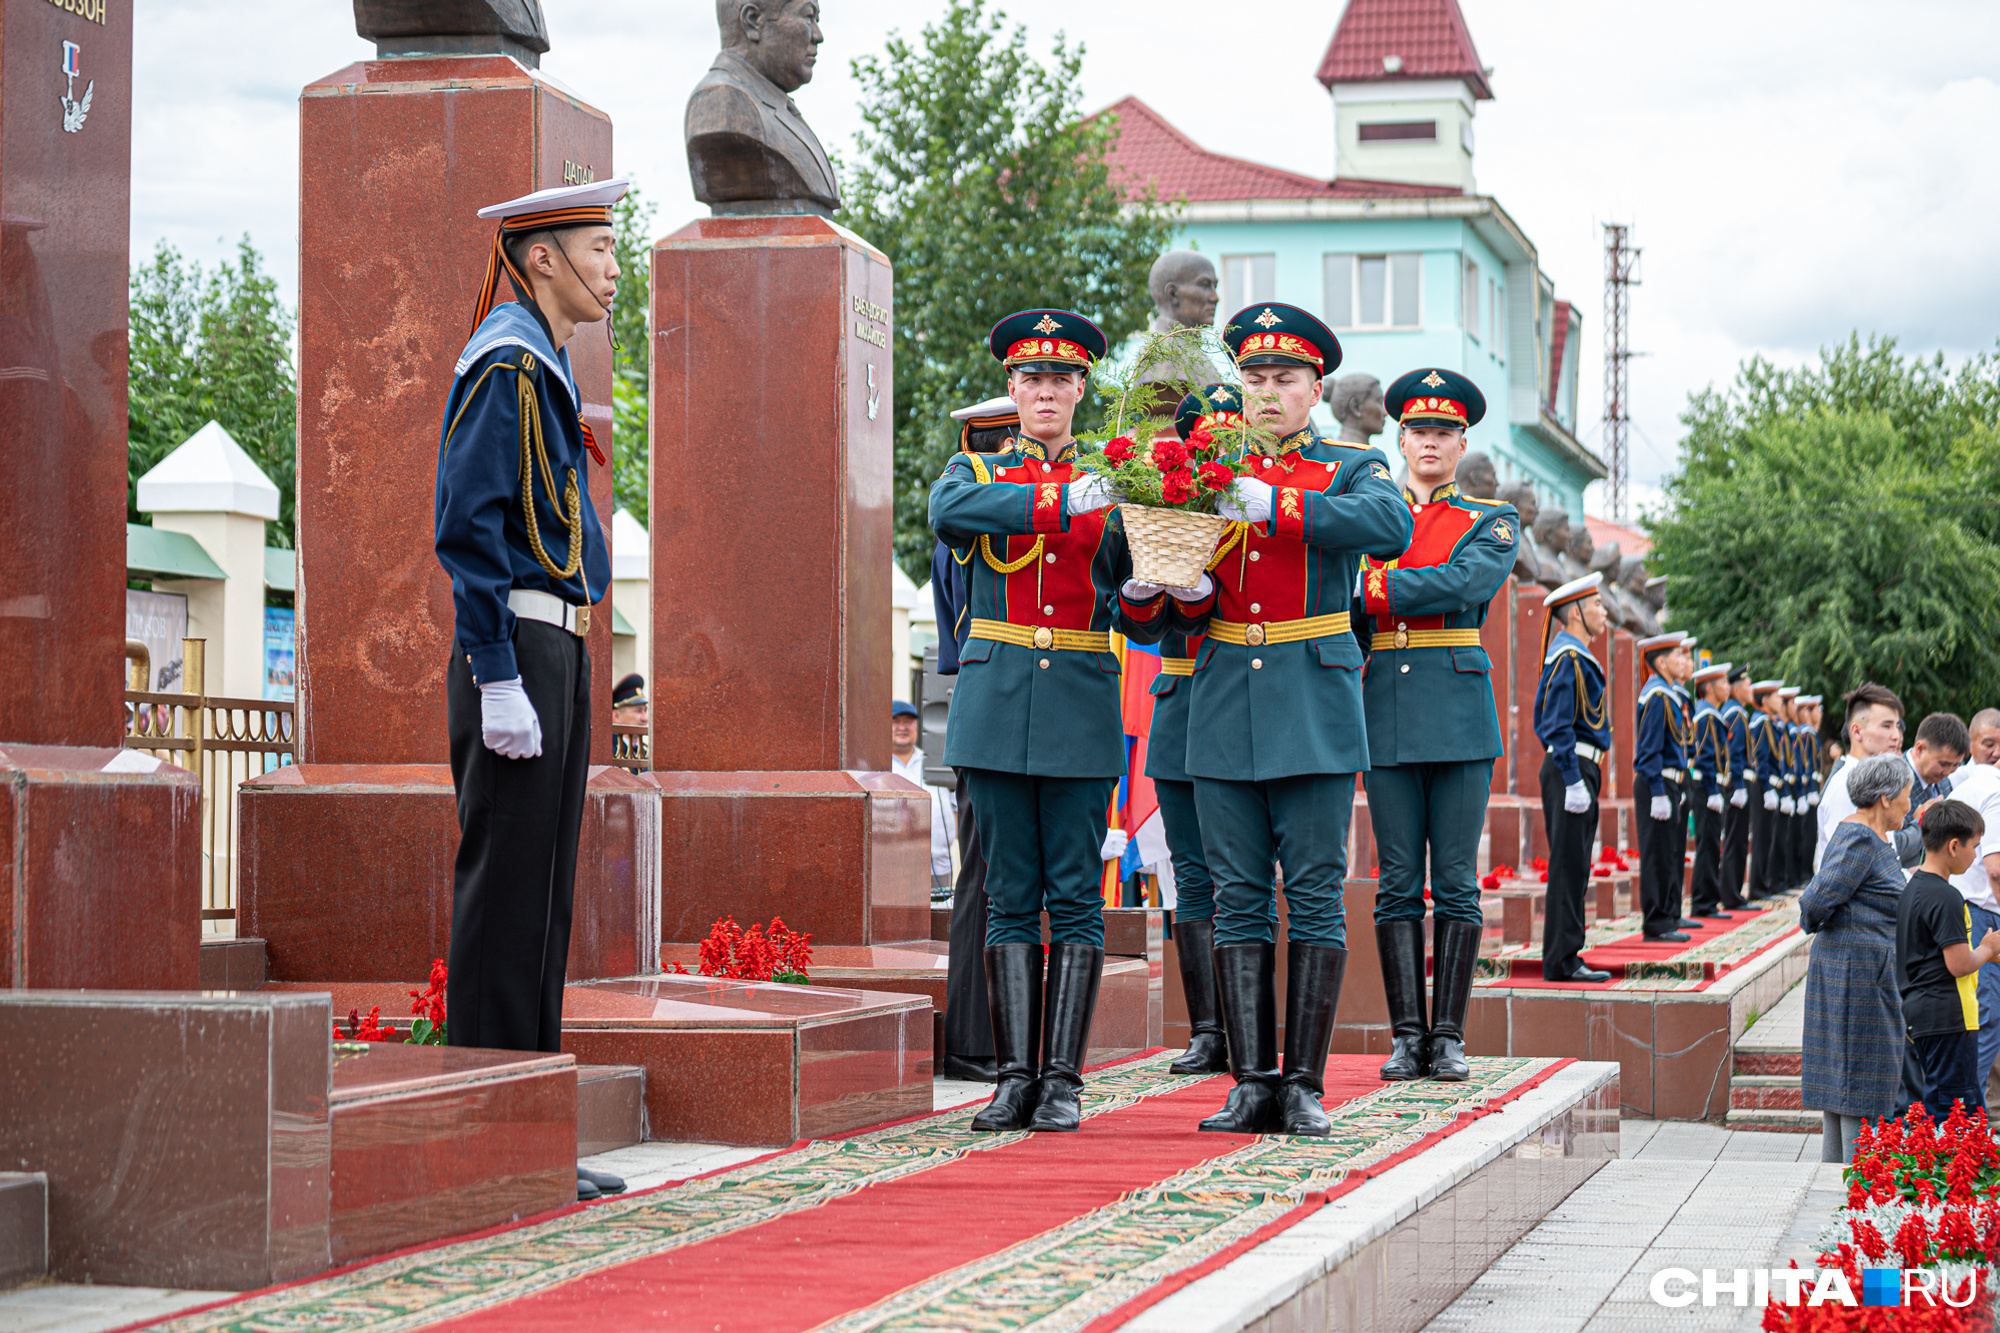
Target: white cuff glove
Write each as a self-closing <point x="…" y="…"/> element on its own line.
<point x="1134" y="591"/>
<point x="1715" y="802"/>
<point x="1787" y="806"/>
<point x="1092" y="493"/>
<point x="1114" y="845"/>
<point x="1203" y="586"/>
<point x="1740" y="797"/>
<point x="1812" y="798"/>
<point x="1576" y="797"/>
<point x="1662" y="807"/>
<point x="1247" y="500"/>
<point x="507" y="721"/>
<point x="1770" y="800"/>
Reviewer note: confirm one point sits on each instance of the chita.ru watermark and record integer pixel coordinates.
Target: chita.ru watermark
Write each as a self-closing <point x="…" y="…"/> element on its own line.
<point x="1918" y="1287"/>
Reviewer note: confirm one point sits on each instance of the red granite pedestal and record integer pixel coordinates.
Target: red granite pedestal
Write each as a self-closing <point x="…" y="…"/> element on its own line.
<point x="346" y="872"/>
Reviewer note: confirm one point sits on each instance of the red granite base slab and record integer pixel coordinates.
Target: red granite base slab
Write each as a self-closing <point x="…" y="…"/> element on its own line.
<point x="100" y="873"/>
<point x="232" y="964"/>
<point x="380" y="840"/>
<point x="610" y="1108"/>
<point x="843" y="855"/>
<point x="185" y="1136"/>
<point x="24" y="1227"/>
<point x="435" y="1141"/>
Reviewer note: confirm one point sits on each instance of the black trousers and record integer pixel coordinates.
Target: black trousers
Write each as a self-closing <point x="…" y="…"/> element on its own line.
<point x="968" y="1026"/>
<point x="515" y="879"/>
<point x="1735" y="852"/>
<point x="1807" y="822"/>
<point x="1662" y="854"/>
<point x="1707" y="887"/>
<point x="1571" y="838"/>
<point x="1763" y="832"/>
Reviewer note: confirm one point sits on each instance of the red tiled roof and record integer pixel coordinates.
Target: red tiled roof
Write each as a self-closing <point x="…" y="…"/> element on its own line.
<point x="1630" y="541"/>
<point x="1559" y="327"/>
<point x="1429" y="36"/>
<point x="1149" y="150"/>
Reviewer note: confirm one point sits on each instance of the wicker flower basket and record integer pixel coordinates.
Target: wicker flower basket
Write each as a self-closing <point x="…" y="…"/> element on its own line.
<point x="1170" y="547"/>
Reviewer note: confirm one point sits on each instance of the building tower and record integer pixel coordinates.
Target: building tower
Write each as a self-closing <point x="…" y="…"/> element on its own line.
<point x="1405" y="80"/>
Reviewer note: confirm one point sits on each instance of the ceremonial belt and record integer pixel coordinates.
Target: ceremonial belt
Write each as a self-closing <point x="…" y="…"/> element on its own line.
<point x="1671" y="774"/>
<point x="1176" y="666"/>
<point x="1255" y="635"/>
<point x="550" y="610"/>
<point x="1389" y="640"/>
<point x="1591" y="752"/>
<point x="1043" y="637"/>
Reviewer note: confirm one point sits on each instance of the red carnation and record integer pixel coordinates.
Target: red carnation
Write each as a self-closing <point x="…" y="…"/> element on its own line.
<point x="1217" y="476"/>
<point x="1177" y="487"/>
<point x="1169" y="454"/>
<point x="1200" y="437"/>
<point x="1120" y="449"/>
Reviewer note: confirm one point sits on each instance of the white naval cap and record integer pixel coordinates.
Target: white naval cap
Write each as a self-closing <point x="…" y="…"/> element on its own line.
<point x="1673" y="638"/>
<point x="1574" y="590"/>
<point x="598" y="194"/>
<point x="1003" y="406"/>
<point x="1713" y="671"/>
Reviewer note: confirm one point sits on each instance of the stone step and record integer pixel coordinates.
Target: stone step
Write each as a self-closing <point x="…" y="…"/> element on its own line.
<point x="232" y="964"/>
<point x="1768" y="1060"/>
<point x="24" y="1227"/>
<point x="1755" y="1092"/>
<point x="610" y="1108"/>
<point x="1772" y="1119"/>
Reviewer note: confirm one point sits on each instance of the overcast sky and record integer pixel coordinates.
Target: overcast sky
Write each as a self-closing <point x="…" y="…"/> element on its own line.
<point x="1792" y="171"/>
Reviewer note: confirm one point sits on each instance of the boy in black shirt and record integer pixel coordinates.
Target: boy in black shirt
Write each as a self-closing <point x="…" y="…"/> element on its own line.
<point x="1937" y="967"/>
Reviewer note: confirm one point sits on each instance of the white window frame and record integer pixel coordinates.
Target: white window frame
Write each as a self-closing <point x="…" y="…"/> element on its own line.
<point x="1350" y="320"/>
<point x="1468" y="297"/>
<point x="1233" y="265"/>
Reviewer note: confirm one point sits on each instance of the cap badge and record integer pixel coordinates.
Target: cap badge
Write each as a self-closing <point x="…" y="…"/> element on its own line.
<point x="1048" y="325"/>
<point x="1267" y="319"/>
<point x="1435" y="380"/>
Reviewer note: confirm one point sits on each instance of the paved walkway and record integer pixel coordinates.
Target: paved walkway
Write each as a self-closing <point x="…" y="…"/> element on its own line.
<point x="1681" y="1195"/>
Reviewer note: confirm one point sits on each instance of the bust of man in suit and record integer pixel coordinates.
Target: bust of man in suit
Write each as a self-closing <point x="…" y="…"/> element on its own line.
<point x="749" y="150"/>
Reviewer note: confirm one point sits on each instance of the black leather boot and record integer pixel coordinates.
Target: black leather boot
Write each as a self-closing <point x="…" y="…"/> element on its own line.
<point x="1247" y="977"/>
<point x="1457" y="951"/>
<point x="1014" y="995"/>
<point x="1401" y="944"/>
<point x="1312" y="993"/>
<point x="1074" y="971"/>
<point x="1208" y="1050"/>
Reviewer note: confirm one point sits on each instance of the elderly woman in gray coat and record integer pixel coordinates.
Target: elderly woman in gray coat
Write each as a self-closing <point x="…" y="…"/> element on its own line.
<point x="1851" y="1062"/>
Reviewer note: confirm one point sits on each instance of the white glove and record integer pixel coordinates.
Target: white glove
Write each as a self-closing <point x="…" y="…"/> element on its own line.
<point x="1134" y="591"/>
<point x="1092" y="493"/>
<point x="507" y="721"/>
<point x="1114" y="845"/>
<point x="1715" y="802"/>
<point x="1247" y="500"/>
<point x="1203" y="586"/>
<point x="1770" y="800"/>
<point x="1812" y="798"/>
<point x="1740" y="797"/>
<point x="1662" y="807"/>
<point x="1576" y="797"/>
<point x="1786" y="805"/>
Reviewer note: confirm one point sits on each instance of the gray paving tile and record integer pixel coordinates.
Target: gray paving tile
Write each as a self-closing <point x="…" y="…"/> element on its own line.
<point x="64" y="1308"/>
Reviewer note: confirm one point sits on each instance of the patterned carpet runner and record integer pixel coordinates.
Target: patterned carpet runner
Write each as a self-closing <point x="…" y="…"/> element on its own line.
<point x="918" y="1225"/>
<point x="1637" y="963"/>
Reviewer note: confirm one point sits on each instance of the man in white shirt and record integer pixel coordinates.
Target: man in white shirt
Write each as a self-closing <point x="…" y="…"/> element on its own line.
<point x="1874" y="726"/>
<point x="907" y="761"/>
<point x="1985" y="730"/>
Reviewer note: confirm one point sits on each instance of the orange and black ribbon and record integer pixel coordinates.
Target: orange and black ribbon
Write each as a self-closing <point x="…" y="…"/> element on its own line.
<point x="593" y="215"/>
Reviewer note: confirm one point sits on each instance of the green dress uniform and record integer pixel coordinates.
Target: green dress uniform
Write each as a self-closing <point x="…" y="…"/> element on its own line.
<point x="1276" y="732"/>
<point x="1037" y="727"/>
<point x="1433" y="734"/>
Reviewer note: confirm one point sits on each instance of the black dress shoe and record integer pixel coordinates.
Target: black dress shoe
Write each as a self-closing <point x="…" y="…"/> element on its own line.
<point x="1583" y="973"/>
<point x="585" y="1191"/>
<point x="1671" y="937"/>
<point x="606" y="1182"/>
<point x="1714" y="914"/>
<point x="1689" y="923"/>
<point x="968" y="1068"/>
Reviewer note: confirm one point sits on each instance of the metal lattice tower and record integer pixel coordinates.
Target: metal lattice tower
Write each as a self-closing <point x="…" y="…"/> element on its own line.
<point x="1621" y="262"/>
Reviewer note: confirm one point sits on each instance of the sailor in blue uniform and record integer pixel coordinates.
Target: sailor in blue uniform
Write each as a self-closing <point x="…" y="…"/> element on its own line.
<point x="1659" y="769"/>
<point x="1711" y="775"/>
<point x="1573" y="721"/>
<point x="1767" y="793"/>
<point x="518" y="534"/>
<point x="1433" y="730"/>
<point x="1736" y="817"/>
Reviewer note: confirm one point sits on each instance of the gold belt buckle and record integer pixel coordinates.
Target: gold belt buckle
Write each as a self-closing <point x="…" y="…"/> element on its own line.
<point x="1044" y="637"/>
<point x="1402" y="637"/>
<point x="1253" y="635"/>
<point x="582" y="621"/>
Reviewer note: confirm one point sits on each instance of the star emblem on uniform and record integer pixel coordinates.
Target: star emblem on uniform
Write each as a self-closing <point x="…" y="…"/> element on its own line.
<point x="1435" y="380"/>
<point x="1048" y="325"/>
<point x="1267" y="319"/>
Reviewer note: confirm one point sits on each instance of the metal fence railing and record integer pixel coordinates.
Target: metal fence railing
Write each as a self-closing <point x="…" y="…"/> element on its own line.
<point x="225" y="742"/>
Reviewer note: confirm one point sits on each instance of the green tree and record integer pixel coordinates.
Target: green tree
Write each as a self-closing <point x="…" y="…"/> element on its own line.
<point x="1839" y="523"/>
<point x="987" y="189"/>
<point x="212" y="344"/>
<point x="632" y="220"/>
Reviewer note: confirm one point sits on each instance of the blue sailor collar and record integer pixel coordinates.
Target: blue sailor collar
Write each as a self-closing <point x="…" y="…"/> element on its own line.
<point x="1565" y="642"/>
<point x="1704" y="706"/>
<point x="1655" y="685"/>
<point x="511" y="325"/>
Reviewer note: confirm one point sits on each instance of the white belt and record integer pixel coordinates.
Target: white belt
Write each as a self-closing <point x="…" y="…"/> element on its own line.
<point x="1749" y="775"/>
<point x="1590" y="752"/>
<point x="550" y="610"/>
<point x="1671" y="774"/>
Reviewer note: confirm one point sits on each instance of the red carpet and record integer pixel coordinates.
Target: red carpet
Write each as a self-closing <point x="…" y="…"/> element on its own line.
<point x="799" y="1271"/>
<point x="1620" y="956"/>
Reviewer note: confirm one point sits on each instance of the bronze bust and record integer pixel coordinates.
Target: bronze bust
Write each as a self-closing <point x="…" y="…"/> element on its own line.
<point x="454" y="27"/>
<point x="749" y="150"/>
<point x="1185" y="294"/>
<point x="1356" y="401"/>
<point x="1478" y="477"/>
<point x="1527" y="563"/>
